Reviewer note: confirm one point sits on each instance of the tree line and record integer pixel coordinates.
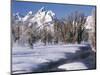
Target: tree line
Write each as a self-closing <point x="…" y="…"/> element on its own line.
<point x="70" y="29"/>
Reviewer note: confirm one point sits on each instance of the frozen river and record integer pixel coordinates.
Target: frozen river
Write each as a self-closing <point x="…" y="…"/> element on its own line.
<point x="51" y="58"/>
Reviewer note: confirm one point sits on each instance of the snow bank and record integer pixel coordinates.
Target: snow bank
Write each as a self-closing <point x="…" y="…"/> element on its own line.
<point x="73" y="66"/>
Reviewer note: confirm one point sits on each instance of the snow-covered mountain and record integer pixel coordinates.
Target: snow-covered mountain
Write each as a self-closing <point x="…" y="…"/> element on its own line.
<point x="42" y="18"/>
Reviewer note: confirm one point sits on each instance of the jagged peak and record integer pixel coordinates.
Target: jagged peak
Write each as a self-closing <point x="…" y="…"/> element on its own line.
<point x="42" y="9"/>
<point x="17" y="16"/>
<point x="50" y="13"/>
<point x="30" y="13"/>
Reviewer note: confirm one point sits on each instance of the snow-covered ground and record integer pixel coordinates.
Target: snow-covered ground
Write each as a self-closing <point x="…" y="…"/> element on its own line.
<point x="51" y="58"/>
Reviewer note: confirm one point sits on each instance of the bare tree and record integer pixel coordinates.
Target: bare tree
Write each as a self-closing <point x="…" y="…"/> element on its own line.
<point x="59" y="30"/>
<point x="76" y="26"/>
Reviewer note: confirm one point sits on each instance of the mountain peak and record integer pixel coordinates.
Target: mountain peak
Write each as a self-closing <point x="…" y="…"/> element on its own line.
<point x="40" y="18"/>
<point x="30" y="13"/>
<point x="17" y="16"/>
<point x="42" y="9"/>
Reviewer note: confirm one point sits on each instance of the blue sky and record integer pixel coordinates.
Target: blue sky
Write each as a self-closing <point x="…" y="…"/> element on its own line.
<point x="61" y="10"/>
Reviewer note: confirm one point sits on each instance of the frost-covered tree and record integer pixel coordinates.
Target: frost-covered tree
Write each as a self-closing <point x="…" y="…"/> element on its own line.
<point x="94" y="28"/>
